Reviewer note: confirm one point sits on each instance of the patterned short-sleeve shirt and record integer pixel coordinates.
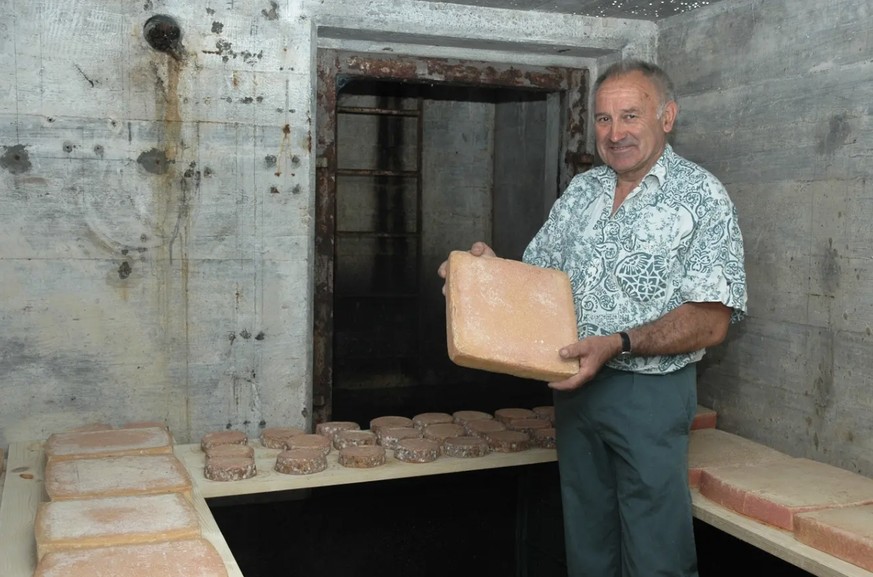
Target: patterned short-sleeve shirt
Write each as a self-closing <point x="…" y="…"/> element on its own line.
<point x="675" y="239"/>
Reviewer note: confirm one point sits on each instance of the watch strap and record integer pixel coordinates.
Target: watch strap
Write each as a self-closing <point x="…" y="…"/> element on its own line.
<point x="625" y="343"/>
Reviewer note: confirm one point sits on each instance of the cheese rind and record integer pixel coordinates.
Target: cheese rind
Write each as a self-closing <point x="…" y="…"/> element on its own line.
<point x="184" y="558"/>
<point x="109" y="443"/>
<point x="115" y="477"/>
<point x="510" y="317"/>
<point x="846" y="533"/>
<point x="709" y="448"/>
<point x="775" y="492"/>
<point x="704" y="418"/>
<point x="80" y="524"/>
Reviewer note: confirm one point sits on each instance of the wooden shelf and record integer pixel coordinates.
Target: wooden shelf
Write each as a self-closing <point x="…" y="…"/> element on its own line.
<point x="23" y="491"/>
<point x="268" y="480"/>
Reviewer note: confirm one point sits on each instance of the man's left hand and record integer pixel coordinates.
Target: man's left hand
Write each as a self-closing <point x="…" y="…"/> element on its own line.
<point x="592" y="352"/>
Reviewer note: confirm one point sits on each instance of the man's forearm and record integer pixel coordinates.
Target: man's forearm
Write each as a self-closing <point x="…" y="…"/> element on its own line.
<point x="688" y="328"/>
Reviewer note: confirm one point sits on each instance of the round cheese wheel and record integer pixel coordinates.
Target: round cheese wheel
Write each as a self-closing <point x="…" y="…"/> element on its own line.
<point x="230" y="451"/>
<point x="464" y="417"/>
<point x="546" y="413"/>
<point x="309" y="441"/>
<point x="465" y="447"/>
<point x="389" y="437"/>
<point x="223" y="438"/>
<point x="331" y="428"/>
<point x="389" y="422"/>
<point x="229" y="468"/>
<point x="344" y="439"/>
<point x="544" y="438"/>
<point x="508" y="441"/>
<point x="424" y="419"/>
<point x="528" y="425"/>
<point x="363" y="457"/>
<point x="417" y="450"/>
<point x="505" y="416"/>
<point x="275" y="437"/>
<point x="482" y="427"/>
<point x="442" y="431"/>
<point x="301" y="461"/>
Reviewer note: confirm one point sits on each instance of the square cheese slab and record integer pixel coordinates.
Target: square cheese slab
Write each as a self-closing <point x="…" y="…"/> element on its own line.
<point x="708" y="448"/>
<point x="704" y="418"/>
<point x="846" y="533"/>
<point x="186" y="558"/>
<point x="509" y="317"/>
<point x="109" y="443"/>
<point x="85" y="523"/>
<point x="115" y="477"/>
<point x="775" y="492"/>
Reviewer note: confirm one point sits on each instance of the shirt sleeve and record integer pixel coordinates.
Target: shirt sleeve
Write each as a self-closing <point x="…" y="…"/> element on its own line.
<point x="714" y="269"/>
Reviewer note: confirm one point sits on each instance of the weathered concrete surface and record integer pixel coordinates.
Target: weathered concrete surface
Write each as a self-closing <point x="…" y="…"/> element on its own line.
<point x="154" y="249"/>
<point x="775" y="100"/>
<point x="156" y="241"/>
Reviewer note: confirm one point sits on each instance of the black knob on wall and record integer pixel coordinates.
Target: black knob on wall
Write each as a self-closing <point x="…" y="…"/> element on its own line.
<point x="164" y="35"/>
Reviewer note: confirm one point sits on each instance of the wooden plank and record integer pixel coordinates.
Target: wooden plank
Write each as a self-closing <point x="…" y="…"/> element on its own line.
<point x="777" y="542"/>
<point x="268" y="480"/>
<point x="211" y="532"/>
<point x="23" y="491"/>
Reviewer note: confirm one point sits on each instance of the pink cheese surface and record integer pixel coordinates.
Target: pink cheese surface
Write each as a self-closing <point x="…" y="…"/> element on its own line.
<point x="506" y="316"/>
<point x="846" y="533"/>
<point x="774" y="492"/>
<point x="109" y="443"/>
<point x="115" y="476"/>
<point x="704" y="418"/>
<point x="708" y="448"/>
<point x="83" y="523"/>
<point x="184" y="558"/>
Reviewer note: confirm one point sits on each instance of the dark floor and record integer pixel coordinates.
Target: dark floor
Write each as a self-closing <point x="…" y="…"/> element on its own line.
<point x="455" y="524"/>
<point x="428" y="526"/>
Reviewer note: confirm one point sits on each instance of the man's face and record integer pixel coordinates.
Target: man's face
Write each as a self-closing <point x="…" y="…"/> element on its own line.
<point x="630" y="136"/>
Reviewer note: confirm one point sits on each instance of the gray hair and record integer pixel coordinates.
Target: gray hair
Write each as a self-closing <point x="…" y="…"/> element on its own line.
<point x="651" y="71"/>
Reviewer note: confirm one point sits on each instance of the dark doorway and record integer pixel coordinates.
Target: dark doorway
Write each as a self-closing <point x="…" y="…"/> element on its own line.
<point x="410" y="170"/>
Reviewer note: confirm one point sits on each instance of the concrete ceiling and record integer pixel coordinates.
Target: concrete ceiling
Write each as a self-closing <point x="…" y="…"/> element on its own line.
<point x="634" y="9"/>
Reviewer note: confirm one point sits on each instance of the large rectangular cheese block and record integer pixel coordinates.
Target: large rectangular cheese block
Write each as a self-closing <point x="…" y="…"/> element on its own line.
<point x="708" y="448"/>
<point x="774" y="492"/>
<point x="509" y="317"/>
<point x="85" y="523"/>
<point x="109" y="443"/>
<point x="115" y="477"/>
<point x="185" y="558"/>
<point x="846" y="533"/>
<point x="704" y="418"/>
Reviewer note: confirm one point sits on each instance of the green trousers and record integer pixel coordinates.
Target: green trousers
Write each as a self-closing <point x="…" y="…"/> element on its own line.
<point x="623" y="461"/>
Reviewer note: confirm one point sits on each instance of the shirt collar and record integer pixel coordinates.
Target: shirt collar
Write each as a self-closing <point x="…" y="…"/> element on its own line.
<point x="607" y="176"/>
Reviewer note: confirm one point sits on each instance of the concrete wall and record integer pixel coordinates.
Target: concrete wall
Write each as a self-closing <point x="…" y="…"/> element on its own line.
<point x="155" y="231"/>
<point x="775" y="99"/>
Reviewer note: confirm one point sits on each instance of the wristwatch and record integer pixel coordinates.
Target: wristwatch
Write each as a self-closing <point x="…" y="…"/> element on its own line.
<point x="625" y="344"/>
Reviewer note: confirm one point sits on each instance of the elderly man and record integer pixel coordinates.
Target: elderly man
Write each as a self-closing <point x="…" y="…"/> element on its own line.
<point x="654" y="253"/>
